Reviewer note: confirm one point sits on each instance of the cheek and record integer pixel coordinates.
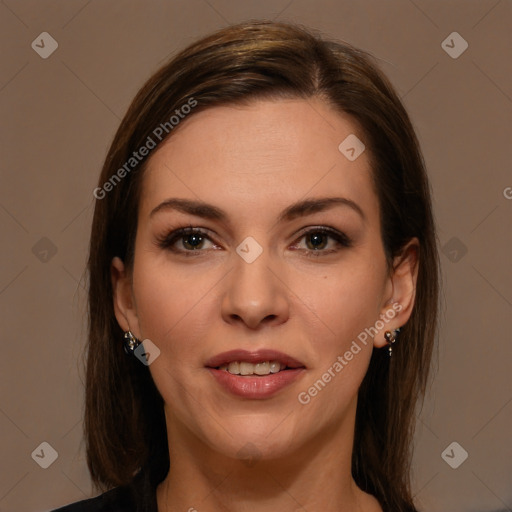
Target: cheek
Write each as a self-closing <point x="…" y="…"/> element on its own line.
<point x="342" y="303"/>
<point x="332" y="306"/>
<point x="336" y="318"/>
<point x="172" y="306"/>
<point x="173" y="309"/>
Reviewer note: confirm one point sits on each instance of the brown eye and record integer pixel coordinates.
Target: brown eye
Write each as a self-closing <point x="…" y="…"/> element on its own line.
<point x="191" y="240"/>
<point x="317" y="239"/>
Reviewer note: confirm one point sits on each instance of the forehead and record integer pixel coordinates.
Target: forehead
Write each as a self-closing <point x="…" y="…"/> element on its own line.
<point x="270" y="152"/>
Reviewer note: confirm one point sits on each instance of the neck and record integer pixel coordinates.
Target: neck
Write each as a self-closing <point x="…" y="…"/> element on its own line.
<point x="314" y="477"/>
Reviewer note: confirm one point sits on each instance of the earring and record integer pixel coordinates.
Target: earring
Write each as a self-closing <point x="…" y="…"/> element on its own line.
<point x="130" y="343"/>
<point x="390" y="339"/>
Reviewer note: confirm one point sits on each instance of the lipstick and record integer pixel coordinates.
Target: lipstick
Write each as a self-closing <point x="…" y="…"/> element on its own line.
<point x="254" y="375"/>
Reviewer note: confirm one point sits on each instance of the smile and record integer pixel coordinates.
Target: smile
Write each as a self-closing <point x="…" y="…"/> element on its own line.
<point x="254" y="375"/>
<point x="245" y="368"/>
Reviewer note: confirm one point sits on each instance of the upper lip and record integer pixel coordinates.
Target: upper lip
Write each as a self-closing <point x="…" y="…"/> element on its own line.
<point x="257" y="356"/>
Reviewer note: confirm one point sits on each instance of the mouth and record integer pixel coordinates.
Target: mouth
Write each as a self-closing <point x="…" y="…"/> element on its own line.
<point x="259" y="363"/>
<point x="245" y="368"/>
<point x="255" y="375"/>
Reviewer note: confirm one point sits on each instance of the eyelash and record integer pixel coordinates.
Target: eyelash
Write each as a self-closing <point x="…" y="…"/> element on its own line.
<point x="167" y="241"/>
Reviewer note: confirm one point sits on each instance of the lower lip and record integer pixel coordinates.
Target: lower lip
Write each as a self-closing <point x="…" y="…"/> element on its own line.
<point x="257" y="387"/>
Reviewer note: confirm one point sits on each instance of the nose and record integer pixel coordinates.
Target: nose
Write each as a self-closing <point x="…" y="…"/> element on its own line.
<point x="256" y="294"/>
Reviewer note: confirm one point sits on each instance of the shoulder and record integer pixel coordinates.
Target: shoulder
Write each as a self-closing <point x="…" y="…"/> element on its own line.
<point x="137" y="496"/>
<point x="115" y="500"/>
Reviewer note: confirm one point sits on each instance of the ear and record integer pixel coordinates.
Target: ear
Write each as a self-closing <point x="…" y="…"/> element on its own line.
<point x="400" y="291"/>
<point x="124" y="304"/>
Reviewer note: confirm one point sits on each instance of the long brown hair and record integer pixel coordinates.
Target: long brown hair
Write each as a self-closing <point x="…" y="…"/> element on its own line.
<point x="124" y="421"/>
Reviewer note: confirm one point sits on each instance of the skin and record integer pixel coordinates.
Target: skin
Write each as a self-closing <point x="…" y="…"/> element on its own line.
<point x="253" y="161"/>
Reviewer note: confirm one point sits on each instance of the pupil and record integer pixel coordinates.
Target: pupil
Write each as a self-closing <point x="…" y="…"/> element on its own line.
<point x="197" y="239"/>
<point x="315" y="238"/>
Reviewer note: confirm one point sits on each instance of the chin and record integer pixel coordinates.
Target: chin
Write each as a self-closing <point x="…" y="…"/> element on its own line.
<point x="255" y="438"/>
<point x="256" y="448"/>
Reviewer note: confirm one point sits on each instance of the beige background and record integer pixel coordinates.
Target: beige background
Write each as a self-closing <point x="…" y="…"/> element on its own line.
<point x="58" y="117"/>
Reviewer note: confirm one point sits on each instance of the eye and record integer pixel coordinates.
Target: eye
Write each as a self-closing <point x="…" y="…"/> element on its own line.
<point x="191" y="239"/>
<point x="317" y="239"/>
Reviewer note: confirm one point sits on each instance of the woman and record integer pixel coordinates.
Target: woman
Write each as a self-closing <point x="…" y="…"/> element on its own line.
<point x="262" y="242"/>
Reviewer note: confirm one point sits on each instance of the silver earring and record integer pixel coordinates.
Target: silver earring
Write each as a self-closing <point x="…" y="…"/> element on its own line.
<point x="390" y="339"/>
<point x="130" y="343"/>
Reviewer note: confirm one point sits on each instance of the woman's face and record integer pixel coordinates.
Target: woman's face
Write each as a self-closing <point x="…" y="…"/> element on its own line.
<point x="261" y="282"/>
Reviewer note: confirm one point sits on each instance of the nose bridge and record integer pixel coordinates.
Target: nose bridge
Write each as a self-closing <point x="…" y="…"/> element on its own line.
<point x="255" y="293"/>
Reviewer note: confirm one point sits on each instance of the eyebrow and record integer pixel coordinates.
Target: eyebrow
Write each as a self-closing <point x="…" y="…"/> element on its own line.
<point x="298" y="209"/>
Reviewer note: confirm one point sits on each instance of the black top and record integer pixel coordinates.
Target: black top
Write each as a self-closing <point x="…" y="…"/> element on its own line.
<point x="138" y="496"/>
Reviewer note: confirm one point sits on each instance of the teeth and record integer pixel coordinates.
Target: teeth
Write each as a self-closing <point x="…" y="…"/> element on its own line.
<point x="275" y="366"/>
<point x="245" y="368"/>
<point x="262" y="368"/>
<point x="234" y="368"/>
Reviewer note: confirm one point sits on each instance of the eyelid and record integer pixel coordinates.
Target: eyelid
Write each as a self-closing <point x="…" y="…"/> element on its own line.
<point x="334" y="233"/>
<point x="166" y="241"/>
